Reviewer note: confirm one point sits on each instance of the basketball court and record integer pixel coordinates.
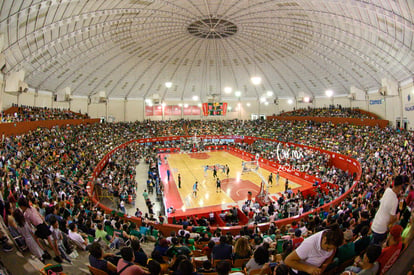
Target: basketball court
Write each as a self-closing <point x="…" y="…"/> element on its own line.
<point x="234" y="188"/>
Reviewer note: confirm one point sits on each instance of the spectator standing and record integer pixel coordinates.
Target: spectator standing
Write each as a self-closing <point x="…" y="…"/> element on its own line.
<point x="387" y="211"/>
<point x="42" y="230"/>
<point x="25" y="230"/>
<point x="145" y="194"/>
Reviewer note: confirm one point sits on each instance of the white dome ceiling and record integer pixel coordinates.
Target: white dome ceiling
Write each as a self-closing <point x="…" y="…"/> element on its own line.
<point x="130" y="48"/>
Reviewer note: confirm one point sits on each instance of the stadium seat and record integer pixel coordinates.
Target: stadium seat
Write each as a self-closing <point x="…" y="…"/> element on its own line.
<point x="96" y="271"/>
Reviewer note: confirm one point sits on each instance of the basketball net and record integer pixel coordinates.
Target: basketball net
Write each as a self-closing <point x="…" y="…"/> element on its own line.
<point x="262" y="197"/>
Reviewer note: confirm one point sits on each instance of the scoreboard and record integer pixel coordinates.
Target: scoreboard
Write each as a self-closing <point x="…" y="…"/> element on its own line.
<point x="215" y="109"/>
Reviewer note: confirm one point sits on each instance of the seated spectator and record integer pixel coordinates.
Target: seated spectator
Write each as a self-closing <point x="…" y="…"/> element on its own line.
<point x="5" y="243"/>
<point x="154" y="267"/>
<point x="242" y="249"/>
<point x="207" y="267"/>
<point x="224" y="268"/>
<point x="140" y="257"/>
<point x="390" y="253"/>
<point x="185" y="268"/>
<point x="204" y="237"/>
<point x="101" y="233"/>
<point x="222" y="250"/>
<point x="362" y="242"/>
<point x="97" y="259"/>
<point x="347" y="250"/>
<point x="367" y="265"/>
<point x="77" y="237"/>
<point x="282" y="269"/>
<point x="126" y="264"/>
<point x="363" y="221"/>
<point x="208" y="249"/>
<point x="315" y="253"/>
<point x="298" y="239"/>
<point x="175" y="262"/>
<point x="260" y="257"/>
<point x="162" y="246"/>
<point x="177" y="249"/>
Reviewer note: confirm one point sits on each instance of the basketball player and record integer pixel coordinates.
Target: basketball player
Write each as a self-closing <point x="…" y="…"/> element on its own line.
<point x="179" y="181"/>
<point x="214" y="171"/>
<point x="227" y="170"/>
<point x="277" y="178"/>
<point x="286" y="185"/>
<point x="218" y="185"/>
<point x="270" y="182"/>
<point x="195" y="188"/>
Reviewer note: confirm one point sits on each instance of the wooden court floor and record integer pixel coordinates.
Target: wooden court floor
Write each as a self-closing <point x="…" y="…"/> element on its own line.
<point x="191" y="168"/>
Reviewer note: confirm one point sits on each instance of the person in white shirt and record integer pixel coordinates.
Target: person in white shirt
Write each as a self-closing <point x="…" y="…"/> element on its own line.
<point x="315" y="253"/>
<point x="76" y="237"/>
<point x="387" y="211"/>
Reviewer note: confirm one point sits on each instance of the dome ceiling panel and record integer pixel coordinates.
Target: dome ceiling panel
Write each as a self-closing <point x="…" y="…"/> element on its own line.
<point x="131" y="48"/>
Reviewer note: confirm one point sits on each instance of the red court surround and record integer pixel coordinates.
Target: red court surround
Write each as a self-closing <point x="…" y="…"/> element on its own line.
<point x="341" y="161"/>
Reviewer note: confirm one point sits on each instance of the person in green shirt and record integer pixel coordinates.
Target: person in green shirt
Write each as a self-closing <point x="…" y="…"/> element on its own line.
<point x="145" y="194"/>
<point x="101" y="233"/>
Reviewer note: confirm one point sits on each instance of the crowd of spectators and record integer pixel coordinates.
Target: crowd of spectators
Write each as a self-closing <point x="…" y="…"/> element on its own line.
<point x="331" y="111"/>
<point x="45" y="172"/>
<point x="30" y="113"/>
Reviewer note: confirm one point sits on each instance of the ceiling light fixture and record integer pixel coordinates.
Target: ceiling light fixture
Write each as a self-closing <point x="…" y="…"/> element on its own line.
<point x="195" y="97"/>
<point x="237" y="93"/>
<point x="168" y="84"/>
<point x="269" y="93"/>
<point x="290" y="101"/>
<point x="256" y="80"/>
<point x="228" y="90"/>
<point x="329" y="93"/>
